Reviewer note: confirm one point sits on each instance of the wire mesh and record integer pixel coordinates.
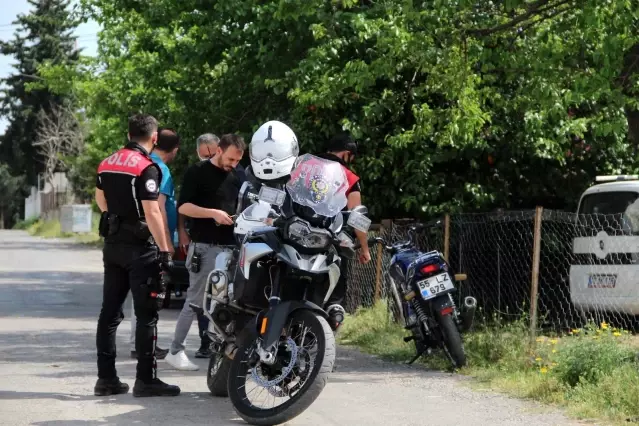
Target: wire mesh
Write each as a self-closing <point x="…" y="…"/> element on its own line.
<point x="588" y="268"/>
<point x="363" y="277"/>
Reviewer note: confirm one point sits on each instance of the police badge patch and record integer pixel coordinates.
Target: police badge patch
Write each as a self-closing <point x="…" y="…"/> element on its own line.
<point x="151" y="186"/>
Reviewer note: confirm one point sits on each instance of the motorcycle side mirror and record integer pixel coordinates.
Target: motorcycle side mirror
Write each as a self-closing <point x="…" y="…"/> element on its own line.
<point x="246" y="197"/>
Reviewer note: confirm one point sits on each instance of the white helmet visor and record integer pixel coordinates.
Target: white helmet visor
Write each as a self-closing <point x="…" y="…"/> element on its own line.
<point x="271" y="149"/>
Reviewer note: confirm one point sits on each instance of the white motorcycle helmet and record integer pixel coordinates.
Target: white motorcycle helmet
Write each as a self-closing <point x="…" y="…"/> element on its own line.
<point x="273" y="151"/>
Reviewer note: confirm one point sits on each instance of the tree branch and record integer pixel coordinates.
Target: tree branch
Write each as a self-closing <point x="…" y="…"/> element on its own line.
<point x="58" y="134"/>
<point x="534" y="9"/>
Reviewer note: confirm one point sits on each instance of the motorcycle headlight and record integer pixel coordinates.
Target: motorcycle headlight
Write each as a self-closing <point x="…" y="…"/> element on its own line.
<point x="313" y="238"/>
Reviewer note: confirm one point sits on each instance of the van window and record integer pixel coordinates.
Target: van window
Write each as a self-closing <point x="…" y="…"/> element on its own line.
<point x="617" y="213"/>
<point x="607" y="202"/>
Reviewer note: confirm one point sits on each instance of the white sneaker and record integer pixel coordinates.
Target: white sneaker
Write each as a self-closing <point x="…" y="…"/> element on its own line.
<point x="180" y="361"/>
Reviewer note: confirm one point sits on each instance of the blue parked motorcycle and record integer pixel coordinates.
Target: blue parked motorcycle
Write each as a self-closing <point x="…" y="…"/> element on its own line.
<point x="423" y="288"/>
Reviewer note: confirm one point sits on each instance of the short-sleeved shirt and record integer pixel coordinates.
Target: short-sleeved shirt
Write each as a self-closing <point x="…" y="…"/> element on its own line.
<point x="208" y="186"/>
<point x="168" y="189"/>
<point x="116" y="183"/>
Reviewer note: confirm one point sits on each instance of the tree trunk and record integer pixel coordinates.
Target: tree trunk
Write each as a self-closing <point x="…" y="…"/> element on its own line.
<point x="1" y="217"/>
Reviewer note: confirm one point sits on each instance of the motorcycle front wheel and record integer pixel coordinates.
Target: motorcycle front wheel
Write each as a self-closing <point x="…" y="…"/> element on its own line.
<point x="304" y="359"/>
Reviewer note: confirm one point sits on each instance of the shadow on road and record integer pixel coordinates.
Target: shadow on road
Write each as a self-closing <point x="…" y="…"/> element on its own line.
<point x="50" y="294"/>
<point x="192" y="407"/>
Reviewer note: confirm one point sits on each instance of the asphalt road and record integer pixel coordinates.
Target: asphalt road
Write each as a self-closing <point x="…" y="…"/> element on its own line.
<point x="50" y="294"/>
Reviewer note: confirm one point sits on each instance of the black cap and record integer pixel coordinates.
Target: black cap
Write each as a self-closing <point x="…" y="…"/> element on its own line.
<point x="342" y="141"/>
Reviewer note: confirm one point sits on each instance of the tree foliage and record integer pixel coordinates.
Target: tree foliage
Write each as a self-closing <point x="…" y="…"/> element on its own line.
<point x="458" y="104"/>
<point x="43" y="36"/>
<point x="12" y="188"/>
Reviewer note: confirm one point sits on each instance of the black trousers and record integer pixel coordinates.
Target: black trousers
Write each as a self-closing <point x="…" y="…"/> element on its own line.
<point x="128" y="267"/>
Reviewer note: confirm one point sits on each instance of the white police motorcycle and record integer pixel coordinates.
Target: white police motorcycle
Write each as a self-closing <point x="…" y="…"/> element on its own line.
<point x="273" y="342"/>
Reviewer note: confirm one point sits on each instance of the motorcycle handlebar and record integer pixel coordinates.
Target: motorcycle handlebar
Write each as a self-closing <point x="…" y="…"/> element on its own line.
<point x="380" y="240"/>
<point x="433" y="223"/>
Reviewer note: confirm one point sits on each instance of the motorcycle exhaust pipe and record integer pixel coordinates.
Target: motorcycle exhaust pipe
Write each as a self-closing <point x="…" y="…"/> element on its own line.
<point x="468" y="313"/>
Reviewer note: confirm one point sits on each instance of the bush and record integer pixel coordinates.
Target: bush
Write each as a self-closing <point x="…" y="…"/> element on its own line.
<point x="615" y="395"/>
<point x="25" y="224"/>
<point x="591" y="356"/>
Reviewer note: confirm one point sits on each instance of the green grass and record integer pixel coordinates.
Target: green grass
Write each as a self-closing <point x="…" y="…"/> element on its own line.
<point x="593" y="372"/>
<point x="53" y="229"/>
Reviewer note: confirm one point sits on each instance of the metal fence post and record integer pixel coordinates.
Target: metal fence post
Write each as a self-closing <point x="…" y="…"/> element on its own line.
<point x="447" y="238"/>
<point x="378" y="262"/>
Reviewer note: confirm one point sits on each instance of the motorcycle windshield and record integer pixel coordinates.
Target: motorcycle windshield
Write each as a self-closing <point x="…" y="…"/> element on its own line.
<point x="319" y="184"/>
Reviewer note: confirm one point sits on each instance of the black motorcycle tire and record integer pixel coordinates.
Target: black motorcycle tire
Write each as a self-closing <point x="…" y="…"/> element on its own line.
<point x="217" y="382"/>
<point x="452" y="340"/>
<point x="305" y="396"/>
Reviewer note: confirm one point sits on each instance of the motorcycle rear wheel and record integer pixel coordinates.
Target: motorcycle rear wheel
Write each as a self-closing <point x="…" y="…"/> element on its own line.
<point x="309" y="390"/>
<point x="453" y="345"/>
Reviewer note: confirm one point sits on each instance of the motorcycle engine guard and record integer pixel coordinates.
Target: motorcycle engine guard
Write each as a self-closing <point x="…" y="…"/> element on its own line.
<point x="333" y="277"/>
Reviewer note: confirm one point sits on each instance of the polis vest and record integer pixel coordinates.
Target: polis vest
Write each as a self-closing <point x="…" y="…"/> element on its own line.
<point x="119" y="174"/>
<point x="125" y="161"/>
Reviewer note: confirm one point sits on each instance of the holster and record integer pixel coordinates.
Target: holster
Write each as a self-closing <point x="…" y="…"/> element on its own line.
<point x="114" y="224"/>
<point x="103" y="227"/>
<point x="109" y="224"/>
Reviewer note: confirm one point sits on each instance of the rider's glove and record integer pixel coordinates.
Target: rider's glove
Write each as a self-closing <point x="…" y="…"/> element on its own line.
<point x="159" y="293"/>
<point x="165" y="260"/>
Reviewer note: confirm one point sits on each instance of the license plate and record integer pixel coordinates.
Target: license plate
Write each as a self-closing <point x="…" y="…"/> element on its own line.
<point x="431" y="287"/>
<point x="602" y="281"/>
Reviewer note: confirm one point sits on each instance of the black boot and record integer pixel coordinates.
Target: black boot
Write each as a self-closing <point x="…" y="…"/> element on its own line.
<point x="105" y="387"/>
<point x="154" y="387"/>
<point x="205" y="350"/>
<point x="205" y="340"/>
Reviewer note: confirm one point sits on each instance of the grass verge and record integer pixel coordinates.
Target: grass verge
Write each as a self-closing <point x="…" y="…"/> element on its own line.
<point x="592" y="372"/>
<point x="53" y="229"/>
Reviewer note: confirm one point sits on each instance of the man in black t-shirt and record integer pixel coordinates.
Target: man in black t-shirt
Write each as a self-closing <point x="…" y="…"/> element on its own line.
<point x="208" y="196"/>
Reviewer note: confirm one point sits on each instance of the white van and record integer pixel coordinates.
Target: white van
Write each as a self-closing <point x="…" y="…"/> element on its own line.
<point x="604" y="272"/>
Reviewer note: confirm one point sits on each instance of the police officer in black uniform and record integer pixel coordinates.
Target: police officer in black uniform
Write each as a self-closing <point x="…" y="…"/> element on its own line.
<point x="135" y="257"/>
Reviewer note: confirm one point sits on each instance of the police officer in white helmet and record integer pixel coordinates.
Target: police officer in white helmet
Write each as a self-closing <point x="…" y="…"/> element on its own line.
<point x="273" y="151"/>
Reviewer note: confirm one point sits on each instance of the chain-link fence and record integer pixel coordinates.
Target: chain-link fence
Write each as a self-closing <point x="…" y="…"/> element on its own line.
<point x="587" y="265"/>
